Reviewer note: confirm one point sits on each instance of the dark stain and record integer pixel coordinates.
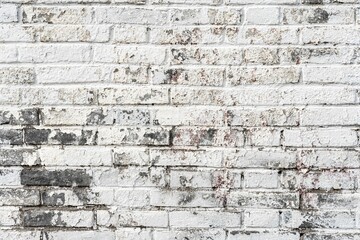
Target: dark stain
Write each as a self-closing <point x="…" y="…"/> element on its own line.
<point x="178" y="55"/>
<point x="53" y="199"/>
<point x="11" y="136"/>
<point x="88" y="137"/>
<point x="95" y="117"/>
<point x="143" y="174"/>
<point x="320" y="16"/>
<point x="82" y="195"/>
<point x="172" y="136"/>
<point x="186" y="198"/>
<point x="157" y="136"/>
<point x="29" y="116"/>
<point x="61" y="178"/>
<point x="36" y="136"/>
<point x="64" y="138"/>
<point x="172" y="75"/>
<point x="296" y="55"/>
<point x="312" y="2"/>
<point x="38" y="219"/>
<point x="208" y="135"/>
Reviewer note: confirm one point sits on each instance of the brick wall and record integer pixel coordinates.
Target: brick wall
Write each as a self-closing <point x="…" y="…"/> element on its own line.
<point x="179" y="119"/>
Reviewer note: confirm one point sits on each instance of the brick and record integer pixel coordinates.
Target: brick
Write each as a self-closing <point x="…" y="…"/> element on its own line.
<point x="268" y="95"/>
<point x="11" y="137"/>
<point x="18" y="156"/>
<point x="26" y="235"/>
<point x="188" y="116"/>
<point x="66" y="177"/>
<point x="327" y="159"/>
<point x="53" y="53"/>
<point x="330" y="35"/>
<point x="10" y="216"/>
<point x="256" y="158"/>
<point x="270" y="35"/>
<point x="133" y="96"/>
<point x="132" y="198"/>
<point x="204" y="219"/>
<point x="318" y="15"/>
<point x="76" y="74"/>
<point x="330" y="201"/>
<point x="273" y="200"/>
<point x="77" y="156"/>
<point x="60" y="136"/>
<point x="259" y="117"/>
<point x="190" y="234"/>
<point x="333" y="74"/>
<point x="133" y="55"/>
<point x="325" y="137"/>
<point x="270" y="2"/>
<point x="130" y="74"/>
<point x="130" y="34"/>
<point x="121" y="15"/>
<point x="260" y="218"/>
<point x="186" y="198"/>
<point x="56" y="15"/>
<point x="88" y="33"/>
<point x="172" y="157"/>
<point x="19" y="197"/>
<point x="8" y="54"/>
<point x="186" y="35"/>
<point x="320" y="55"/>
<point x="26" y="116"/>
<point x="261" y="56"/>
<point x="206" y="55"/>
<point x="120" y="218"/>
<point x="330" y="116"/>
<point x="330" y="236"/>
<point x="261" y="179"/>
<point x="73" y="235"/>
<point x="133" y="234"/>
<point x="57" y="96"/>
<point x="237" y="76"/>
<point x="54" y="218"/>
<point x="95" y="116"/>
<point x="198" y="178"/>
<point x="202" y="2"/>
<point x="262" y="15"/>
<point x="316" y="219"/>
<point x="8" y="13"/>
<point x="17" y="75"/>
<point x="188" y="76"/>
<point x="323" y="180"/>
<point x="262" y="137"/>
<point x="129" y="177"/>
<point x="190" y="136"/>
<point x="133" y="136"/>
<point x="16" y="33"/>
<point x="270" y="235"/>
<point x="201" y="16"/>
<point x="77" y="197"/>
<point x="10" y="176"/>
<point x="131" y="156"/>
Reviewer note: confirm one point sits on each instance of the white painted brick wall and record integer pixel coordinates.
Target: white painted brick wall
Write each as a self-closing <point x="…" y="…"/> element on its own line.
<point x="179" y="119"/>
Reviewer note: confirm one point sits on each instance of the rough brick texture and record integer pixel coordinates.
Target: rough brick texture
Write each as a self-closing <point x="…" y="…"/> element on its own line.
<point x="179" y="119"/>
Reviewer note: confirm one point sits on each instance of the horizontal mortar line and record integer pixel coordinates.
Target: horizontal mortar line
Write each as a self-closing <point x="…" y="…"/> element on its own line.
<point x="186" y="66"/>
<point x="108" y="85"/>
<point x="139" y="105"/>
<point x="187" y="5"/>
<point x="220" y="45"/>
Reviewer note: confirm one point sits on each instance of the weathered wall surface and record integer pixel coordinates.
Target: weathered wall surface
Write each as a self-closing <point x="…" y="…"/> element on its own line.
<point x="179" y="119"/>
